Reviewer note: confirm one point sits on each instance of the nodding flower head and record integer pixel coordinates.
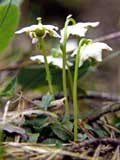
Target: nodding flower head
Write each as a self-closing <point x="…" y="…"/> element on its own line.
<point x="39" y="30"/>
<point x="78" y="29"/>
<point x="92" y="50"/>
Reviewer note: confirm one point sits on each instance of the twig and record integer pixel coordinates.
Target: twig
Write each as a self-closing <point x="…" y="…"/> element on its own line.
<point x="100" y="96"/>
<point x="43" y="150"/>
<point x="108" y="109"/>
<point x="94" y="142"/>
<point x="5" y="112"/>
<point x="104" y="96"/>
<point x="108" y="37"/>
<point x="116" y="154"/>
<point x="17" y="66"/>
<point x="97" y="152"/>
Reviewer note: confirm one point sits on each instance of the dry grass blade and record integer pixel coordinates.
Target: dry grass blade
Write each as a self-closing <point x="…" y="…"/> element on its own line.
<point x="116" y="155"/>
<point x="12" y="116"/>
<point x="37" y="151"/>
<point x="97" y="153"/>
<point x="5" y="112"/>
<point x="111" y="127"/>
<point x="53" y="155"/>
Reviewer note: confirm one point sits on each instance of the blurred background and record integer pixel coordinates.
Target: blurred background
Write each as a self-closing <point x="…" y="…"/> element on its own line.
<point x="105" y="77"/>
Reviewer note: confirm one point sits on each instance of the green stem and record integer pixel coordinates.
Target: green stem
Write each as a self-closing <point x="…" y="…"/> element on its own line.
<point x="65" y="86"/>
<point x="63" y="48"/>
<point x="75" y="102"/>
<point x="70" y="81"/>
<point x="47" y="67"/>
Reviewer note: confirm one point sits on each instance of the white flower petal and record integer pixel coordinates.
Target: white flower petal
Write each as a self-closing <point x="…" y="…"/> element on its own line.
<point x="40" y="58"/>
<point x="92" y="50"/>
<point x="55" y="34"/>
<point x="57" y="61"/>
<point x="50" y="59"/>
<point x="78" y="29"/>
<point x="102" y="45"/>
<point x="50" y="29"/>
<point x="34" y="40"/>
<point x="27" y="29"/>
<point x="88" y="24"/>
<point x="71" y="45"/>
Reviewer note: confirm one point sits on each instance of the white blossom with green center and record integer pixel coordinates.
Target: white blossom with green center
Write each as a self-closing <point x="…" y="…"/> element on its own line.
<point x="39" y="30"/>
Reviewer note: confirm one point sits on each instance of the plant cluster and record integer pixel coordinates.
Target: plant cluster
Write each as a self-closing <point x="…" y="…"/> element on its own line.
<point x="85" y="50"/>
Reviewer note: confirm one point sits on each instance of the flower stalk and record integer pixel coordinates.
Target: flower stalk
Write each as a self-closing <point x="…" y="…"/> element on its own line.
<point x="42" y="47"/>
<point x="63" y="48"/>
<point x="75" y="102"/>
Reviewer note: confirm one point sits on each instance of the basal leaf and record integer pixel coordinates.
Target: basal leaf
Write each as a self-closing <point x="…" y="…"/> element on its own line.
<point x="8" y="89"/>
<point x="61" y="132"/>
<point x="33" y="137"/>
<point x="31" y="77"/>
<point x="9" y="24"/>
<point x="36" y="123"/>
<point x="52" y="141"/>
<point x="82" y="137"/>
<point x="46" y="100"/>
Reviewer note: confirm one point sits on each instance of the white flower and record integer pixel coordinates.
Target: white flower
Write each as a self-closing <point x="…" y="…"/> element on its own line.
<point x="92" y="50"/>
<point x="78" y="29"/>
<point x="39" y="30"/>
<point x="57" y="61"/>
<point x="71" y="45"/>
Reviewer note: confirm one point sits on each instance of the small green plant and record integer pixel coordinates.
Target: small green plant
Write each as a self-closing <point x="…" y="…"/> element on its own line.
<point x="37" y="33"/>
<point x="84" y="50"/>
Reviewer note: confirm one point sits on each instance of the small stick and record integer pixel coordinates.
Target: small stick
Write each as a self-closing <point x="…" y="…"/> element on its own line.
<point x="108" y="109"/>
<point x="95" y="142"/>
<point x="17" y="66"/>
<point x="108" y="37"/>
<point x="104" y="96"/>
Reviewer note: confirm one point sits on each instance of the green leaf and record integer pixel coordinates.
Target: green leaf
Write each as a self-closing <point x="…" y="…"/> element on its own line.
<point x="81" y="92"/>
<point x="82" y="137"/>
<point x="32" y="77"/>
<point x="84" y="69"/>
<point x="9" y="25"/>
<point x="61" y="132"/>
<point x="101" y="133"/>
<point x="46" y="100"/>
<point x="9" y="88"/>
<point x="2" y="151"/>
<point x="89" y="127"/>
<point x="68" y="125"/>
<point x="33" y="137"/>
<point x="36" y="123"/>
<point x="52" y="141"/>
<point x="16" y="2"/>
